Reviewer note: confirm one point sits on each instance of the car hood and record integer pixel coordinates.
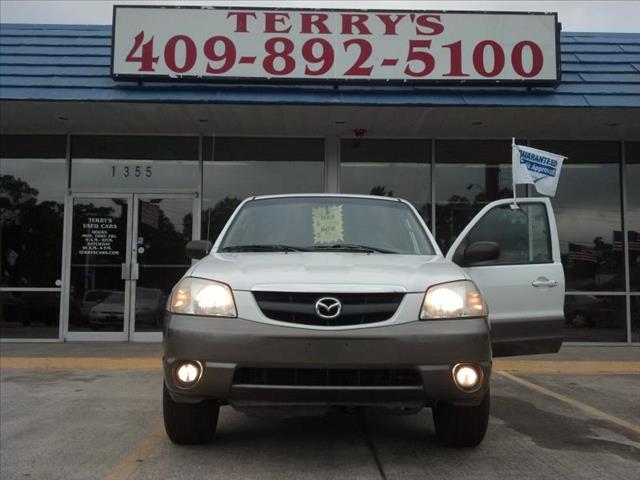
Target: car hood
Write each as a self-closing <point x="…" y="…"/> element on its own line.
<point x="327" y="271"/>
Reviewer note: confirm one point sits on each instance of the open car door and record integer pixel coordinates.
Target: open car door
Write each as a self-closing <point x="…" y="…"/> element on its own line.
<point x="524" y="285"/>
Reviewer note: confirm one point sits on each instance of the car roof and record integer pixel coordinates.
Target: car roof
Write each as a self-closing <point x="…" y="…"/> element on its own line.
<point x="328" y="195"/>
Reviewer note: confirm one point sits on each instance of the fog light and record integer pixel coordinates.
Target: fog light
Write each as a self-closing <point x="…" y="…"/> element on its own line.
<point x="188" y="373"/>
<point x="467" y="377"/>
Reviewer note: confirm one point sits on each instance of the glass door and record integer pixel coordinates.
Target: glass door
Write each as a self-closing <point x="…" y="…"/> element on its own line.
<point x="162" y="226"/>
<point x="125" y="255"/>
<point x="99" y="267"/>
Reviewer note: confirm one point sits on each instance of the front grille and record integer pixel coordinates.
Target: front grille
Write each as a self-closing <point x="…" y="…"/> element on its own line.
<point x="325" y="377"/>
<point x="357" y="308"/>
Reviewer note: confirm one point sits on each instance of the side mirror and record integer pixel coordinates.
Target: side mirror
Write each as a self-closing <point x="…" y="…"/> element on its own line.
<point x="479" y="253"/>
<point x="197" y="249"/>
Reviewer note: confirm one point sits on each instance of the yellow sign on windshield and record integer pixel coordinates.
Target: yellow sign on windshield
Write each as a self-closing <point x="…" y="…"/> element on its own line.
<point x="327" y="224"/>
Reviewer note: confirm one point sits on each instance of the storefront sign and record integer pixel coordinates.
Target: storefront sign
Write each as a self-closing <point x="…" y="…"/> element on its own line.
<point x="98" y="236"/>
<point x="399" y="46"/>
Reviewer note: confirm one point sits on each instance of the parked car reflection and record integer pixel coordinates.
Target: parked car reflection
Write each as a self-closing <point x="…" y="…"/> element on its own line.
<point x="584" y="311"/>
<point x="150" y="303"/>
<point x="90" y="299"/>
<point x="109" y="313"/>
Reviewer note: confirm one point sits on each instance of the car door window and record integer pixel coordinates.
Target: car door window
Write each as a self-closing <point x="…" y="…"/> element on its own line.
<point x="522" y="234"/>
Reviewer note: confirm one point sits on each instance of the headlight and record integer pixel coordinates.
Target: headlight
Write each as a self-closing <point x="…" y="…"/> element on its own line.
<point x="197" y="296"/>
<point x="453" y="300"/>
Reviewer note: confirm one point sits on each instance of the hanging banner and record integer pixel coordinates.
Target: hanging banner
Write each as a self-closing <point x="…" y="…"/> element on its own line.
<point x="336" y="45"/>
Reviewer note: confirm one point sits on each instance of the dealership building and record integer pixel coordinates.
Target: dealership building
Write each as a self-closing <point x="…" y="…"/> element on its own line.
<point x="106" y="173"/>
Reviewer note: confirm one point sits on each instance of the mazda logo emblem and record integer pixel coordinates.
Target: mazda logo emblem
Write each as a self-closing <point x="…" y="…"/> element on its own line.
<point x="328" y="307"/>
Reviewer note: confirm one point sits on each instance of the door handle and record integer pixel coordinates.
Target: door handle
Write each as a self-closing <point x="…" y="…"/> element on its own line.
<point x="544" y="282"/>
<point x="135" y="272"/>
<point x="129" y="271"/>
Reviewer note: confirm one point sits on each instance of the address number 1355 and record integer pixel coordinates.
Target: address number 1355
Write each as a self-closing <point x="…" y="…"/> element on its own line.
<point x="128" y="171"/>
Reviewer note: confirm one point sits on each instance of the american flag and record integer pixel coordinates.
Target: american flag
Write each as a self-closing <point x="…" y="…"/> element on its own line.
<point x="633" y="240"/>
<point x="580" y="253"/>
<point x="617" y="240"/>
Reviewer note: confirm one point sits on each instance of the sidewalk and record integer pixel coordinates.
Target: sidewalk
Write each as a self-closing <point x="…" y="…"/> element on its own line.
<point x="83" y="349"/>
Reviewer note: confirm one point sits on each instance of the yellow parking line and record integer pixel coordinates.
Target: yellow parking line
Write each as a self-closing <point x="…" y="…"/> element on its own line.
<point x="149" y="363"/>
<point x="97" y="363"/>
<point x="567" y="367"/>
<point x="129" y="464"/>
<point x="588" y="409"/>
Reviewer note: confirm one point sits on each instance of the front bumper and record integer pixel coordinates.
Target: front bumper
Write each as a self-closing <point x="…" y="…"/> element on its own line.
<point x="222" y="345"/>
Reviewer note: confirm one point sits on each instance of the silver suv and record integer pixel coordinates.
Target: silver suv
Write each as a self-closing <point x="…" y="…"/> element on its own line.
<point x="309" y="302"/>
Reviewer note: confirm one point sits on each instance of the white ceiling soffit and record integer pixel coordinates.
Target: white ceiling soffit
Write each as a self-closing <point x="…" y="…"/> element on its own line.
<point x="283" y="120"/>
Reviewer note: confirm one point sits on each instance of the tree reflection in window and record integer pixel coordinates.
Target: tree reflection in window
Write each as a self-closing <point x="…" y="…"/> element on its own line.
<point x="31" y="235"/>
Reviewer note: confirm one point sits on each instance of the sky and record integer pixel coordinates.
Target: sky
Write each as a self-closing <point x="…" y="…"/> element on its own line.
<point x="575" y="15"/>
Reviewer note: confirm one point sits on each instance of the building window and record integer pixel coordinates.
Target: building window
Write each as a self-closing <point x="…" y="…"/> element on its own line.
<point x="29" y="314"/>
<point x="239" y="167"/>
<point x="469" y="174"/>
<point x="32" y="188"/>
<point x="393" y="168"/>
<point x="635" y="318"/>
<point x="595" y="318"/>
<point x="632" y="218"/>
<point x="117" y="163"/>
<point x="588" y="213"/>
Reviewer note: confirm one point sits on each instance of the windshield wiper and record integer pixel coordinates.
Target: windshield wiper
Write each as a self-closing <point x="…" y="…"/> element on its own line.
<point x="352" y="247"/>
<point x="275" y="247"/>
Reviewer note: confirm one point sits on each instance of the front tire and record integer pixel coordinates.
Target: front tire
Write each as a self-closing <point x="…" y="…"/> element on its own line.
<point x="189" y="423"/>
<point x="462" y="426"/>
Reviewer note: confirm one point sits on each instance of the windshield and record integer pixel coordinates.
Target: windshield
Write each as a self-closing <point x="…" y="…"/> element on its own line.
<point x="326" y="224"/>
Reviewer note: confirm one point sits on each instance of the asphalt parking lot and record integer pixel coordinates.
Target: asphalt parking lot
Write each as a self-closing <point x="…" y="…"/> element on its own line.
<point x="69" y="412"/>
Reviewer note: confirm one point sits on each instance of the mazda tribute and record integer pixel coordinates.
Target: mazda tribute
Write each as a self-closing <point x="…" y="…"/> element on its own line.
<point x="313" y="302"/>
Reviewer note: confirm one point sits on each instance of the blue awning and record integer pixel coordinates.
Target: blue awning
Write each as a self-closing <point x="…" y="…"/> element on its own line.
<point x="72" y="63"/>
